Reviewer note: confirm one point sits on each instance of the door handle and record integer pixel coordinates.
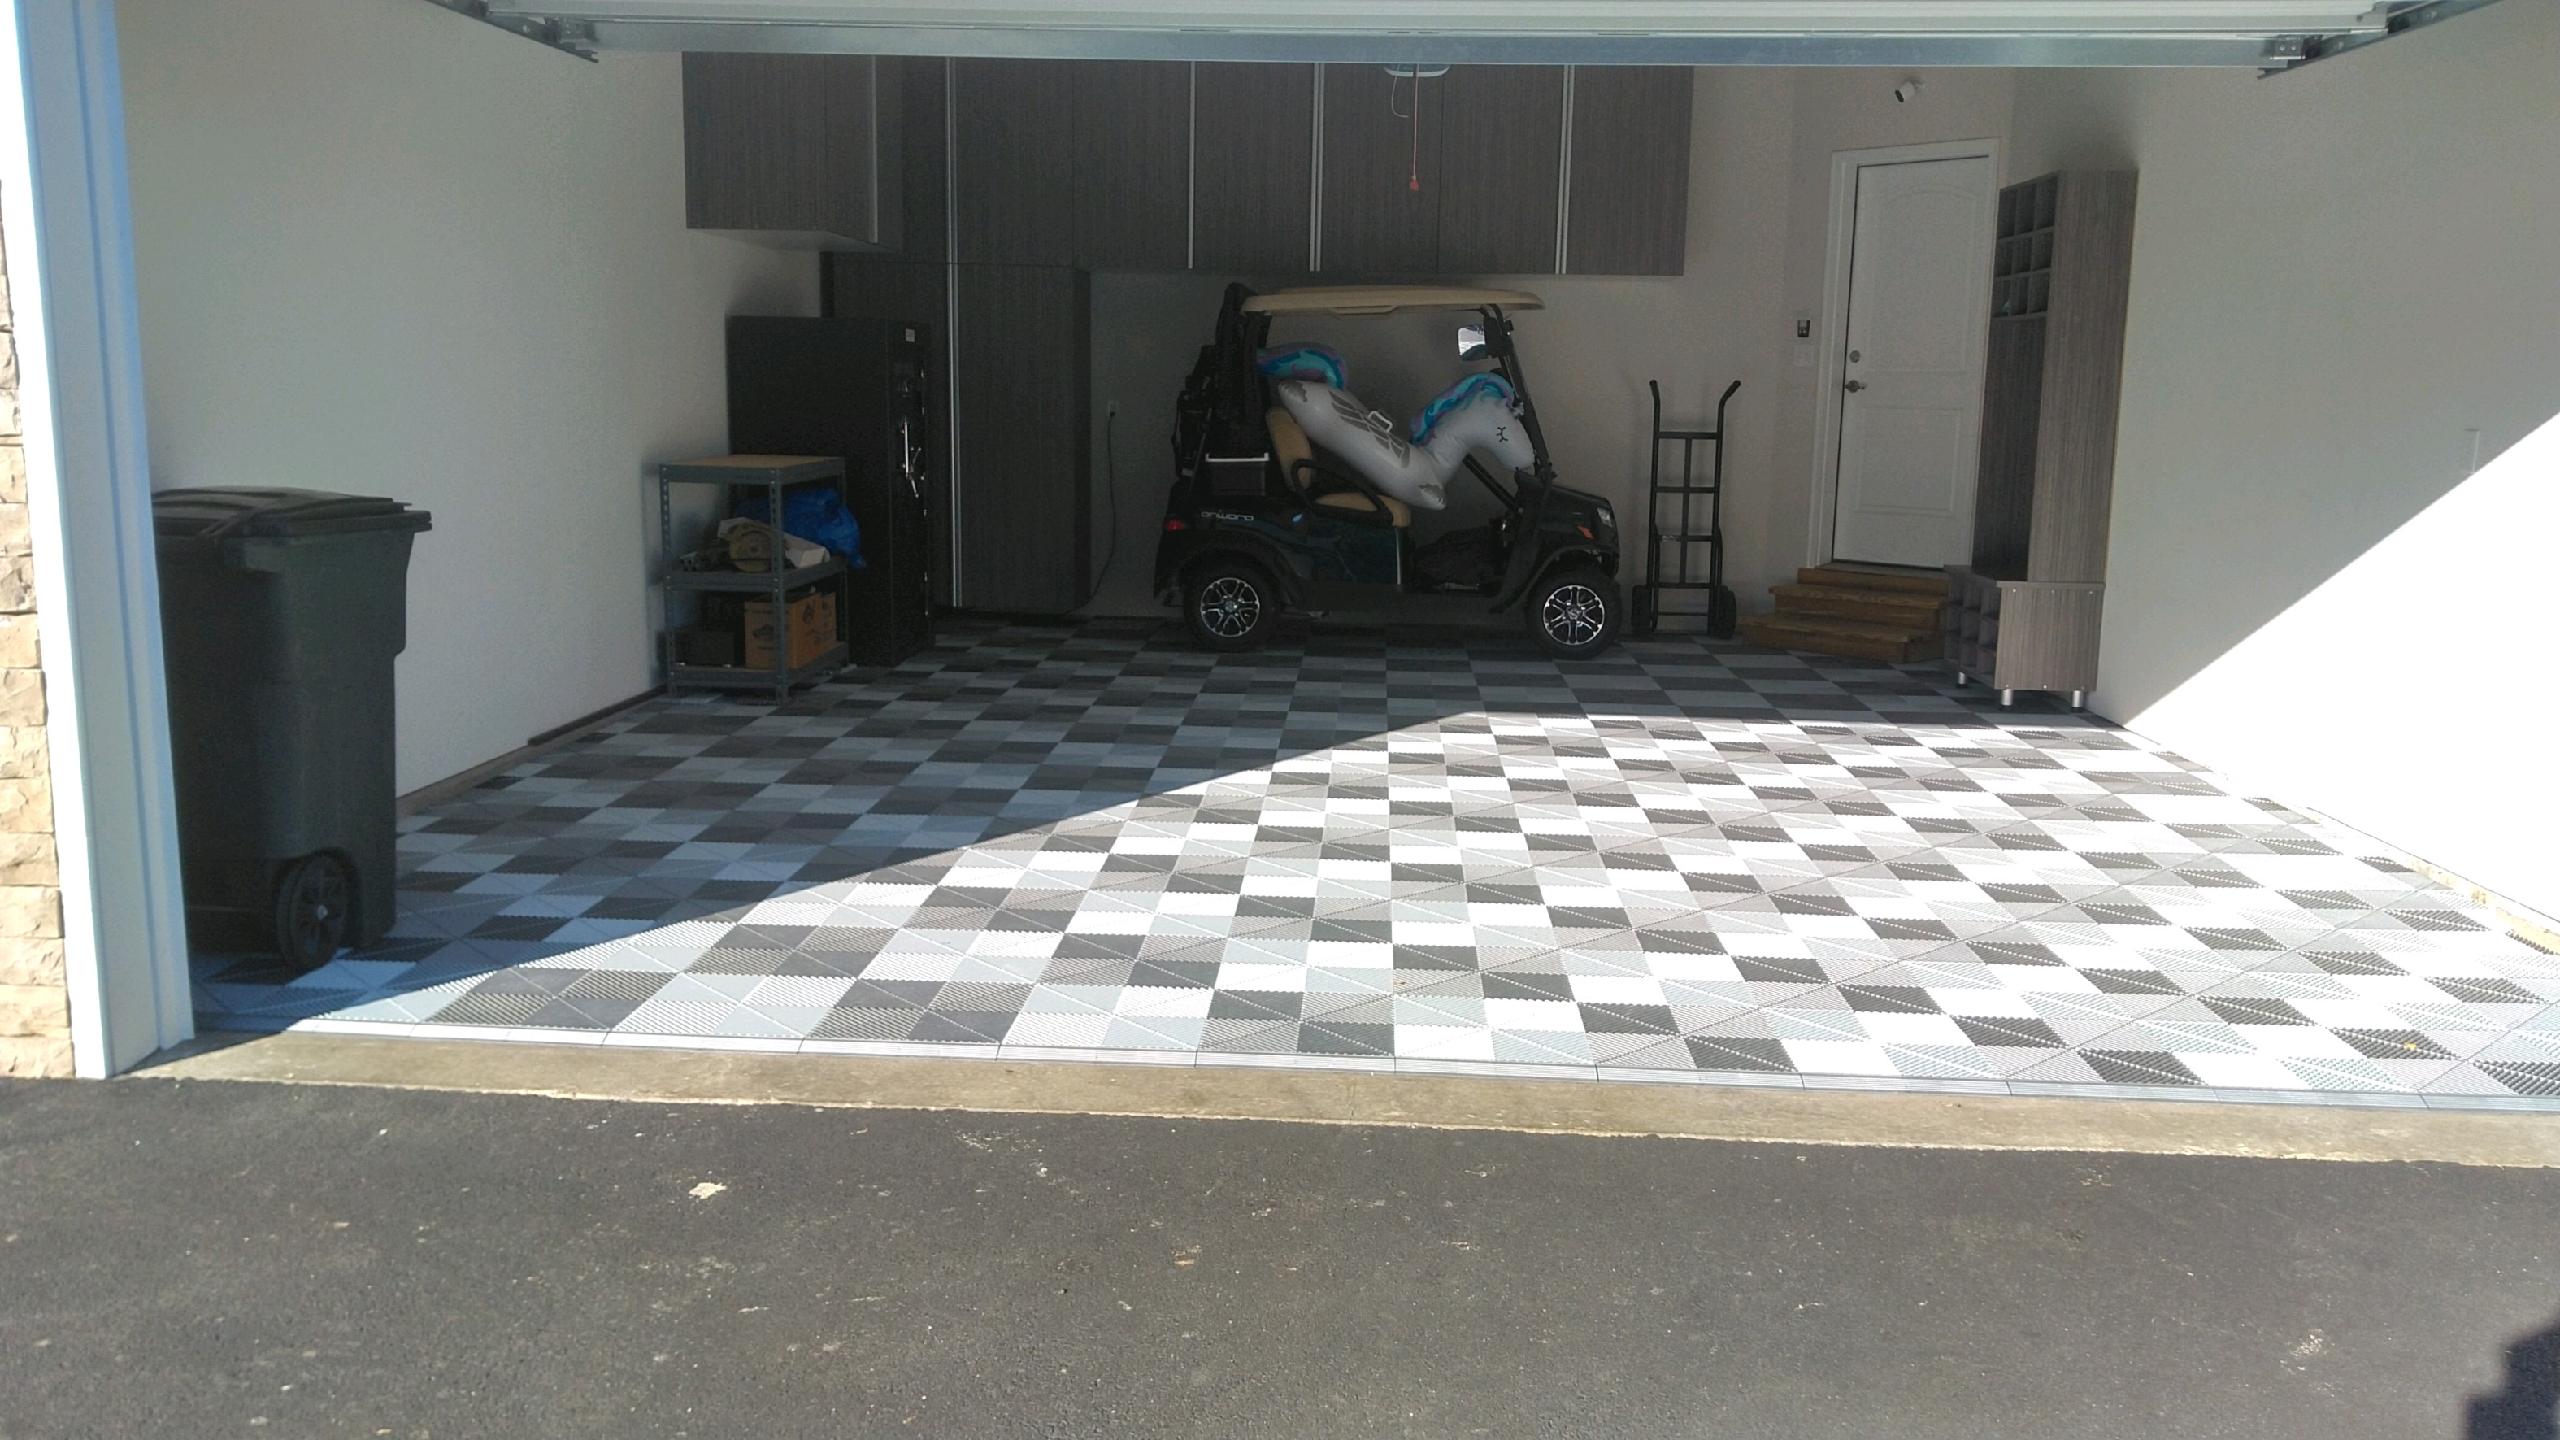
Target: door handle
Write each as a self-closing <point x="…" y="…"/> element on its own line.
<point x="1853" y="386"/>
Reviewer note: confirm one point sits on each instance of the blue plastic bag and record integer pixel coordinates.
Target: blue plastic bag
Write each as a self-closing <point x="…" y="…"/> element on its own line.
<point x="817" y="514"/>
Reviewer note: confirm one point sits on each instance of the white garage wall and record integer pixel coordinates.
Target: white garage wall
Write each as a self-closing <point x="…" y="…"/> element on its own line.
<point x="2339" y="275"/>
<point x="1760" y="153"/>
<point x="387" y="250"/>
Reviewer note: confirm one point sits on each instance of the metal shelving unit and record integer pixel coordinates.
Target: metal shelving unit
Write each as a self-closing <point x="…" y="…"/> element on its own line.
<point x="749" y="582"/>
<point x="773" y="474"/>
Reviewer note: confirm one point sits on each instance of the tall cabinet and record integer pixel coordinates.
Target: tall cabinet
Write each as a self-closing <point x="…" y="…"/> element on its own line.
<point x="2024" y="614"/>
<point x="990" y="271"/>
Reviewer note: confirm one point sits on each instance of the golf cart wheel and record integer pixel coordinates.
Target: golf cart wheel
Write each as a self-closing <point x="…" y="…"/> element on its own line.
<point x="314" y="900"/>
<point x="1574" y="613"/>
<point x="1230" y="604"/>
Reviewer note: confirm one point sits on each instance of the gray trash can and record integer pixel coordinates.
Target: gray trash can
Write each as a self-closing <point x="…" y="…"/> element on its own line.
<point x="281" y="612"/>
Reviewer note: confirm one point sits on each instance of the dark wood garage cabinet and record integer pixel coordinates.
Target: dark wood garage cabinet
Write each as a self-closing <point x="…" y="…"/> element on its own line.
<point x="1627" y="185"/>
<point x="1166" y="165"/>
<point x="1374" y="220"/>
<point x="1020" y="424"/>
<point x="1132" y="170"/>
<point x="1501" y="159"/>
<point x="1253" y="168"/>
<point x="1012" y="162"/>
<point x="805" y="145"/>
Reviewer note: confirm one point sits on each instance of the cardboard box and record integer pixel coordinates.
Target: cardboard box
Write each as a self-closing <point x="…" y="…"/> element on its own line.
<point x="812" y="620"/>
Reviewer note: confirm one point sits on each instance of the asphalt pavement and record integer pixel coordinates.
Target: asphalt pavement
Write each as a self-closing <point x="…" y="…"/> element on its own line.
<point x="226" y="1258"/>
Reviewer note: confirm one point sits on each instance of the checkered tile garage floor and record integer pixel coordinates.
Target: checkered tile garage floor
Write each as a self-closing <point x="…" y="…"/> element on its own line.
<point x="1684" y="863"/>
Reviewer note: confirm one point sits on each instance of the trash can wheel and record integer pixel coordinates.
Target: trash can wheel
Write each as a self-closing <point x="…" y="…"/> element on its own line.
<point x="313" y="899"/>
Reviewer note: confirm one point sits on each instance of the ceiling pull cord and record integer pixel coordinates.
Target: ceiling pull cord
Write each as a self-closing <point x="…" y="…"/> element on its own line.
<point x="1395" y="86"/>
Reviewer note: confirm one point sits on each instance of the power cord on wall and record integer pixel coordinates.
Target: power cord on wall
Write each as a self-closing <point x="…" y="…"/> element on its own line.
<point x="1111" y="491"/>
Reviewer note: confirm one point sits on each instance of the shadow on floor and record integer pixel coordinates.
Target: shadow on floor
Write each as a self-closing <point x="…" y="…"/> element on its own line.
<point x="2527" y="1405"/>
<point x="1442" y="806"/>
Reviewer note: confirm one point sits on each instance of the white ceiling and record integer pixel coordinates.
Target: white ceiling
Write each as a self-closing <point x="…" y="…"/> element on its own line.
<point x="2262" y="33"/>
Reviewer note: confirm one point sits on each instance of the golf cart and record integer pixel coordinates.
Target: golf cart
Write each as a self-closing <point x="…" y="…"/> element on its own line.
<point x="1290" y="497"/>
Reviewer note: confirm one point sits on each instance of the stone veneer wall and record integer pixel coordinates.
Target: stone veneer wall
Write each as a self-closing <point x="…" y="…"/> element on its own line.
<point x="35" y="1009"/>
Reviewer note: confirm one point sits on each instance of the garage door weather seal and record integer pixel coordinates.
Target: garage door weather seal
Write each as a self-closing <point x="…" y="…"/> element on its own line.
<point x="2267" y="35"/>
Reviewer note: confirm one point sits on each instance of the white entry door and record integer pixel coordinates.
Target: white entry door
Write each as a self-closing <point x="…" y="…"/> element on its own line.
<point x="1911" y="388"/>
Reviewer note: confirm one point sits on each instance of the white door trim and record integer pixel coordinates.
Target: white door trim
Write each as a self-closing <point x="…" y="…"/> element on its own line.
<point x="64" y="203"/>
<point x="1831" y="362"/>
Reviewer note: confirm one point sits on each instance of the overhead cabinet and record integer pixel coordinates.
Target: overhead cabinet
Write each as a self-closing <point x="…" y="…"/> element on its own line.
<point x="1469" y="172"/>
<point x="1013" y="157"/>
<point x="1245" y="169"/>
<point x="1379" y="158"/>
<point x="1627" y="178"/>
<point x="1447" y="173"/>
<point x="1132" y="164"/>
<point x="802" y="149"/>
<point x="1253" y="168"/>
<point x="924" y="164"/>
<point x="1501" y="159"/>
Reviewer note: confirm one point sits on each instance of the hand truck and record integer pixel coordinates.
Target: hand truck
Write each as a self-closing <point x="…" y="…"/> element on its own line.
<point x="1685" y="540"/>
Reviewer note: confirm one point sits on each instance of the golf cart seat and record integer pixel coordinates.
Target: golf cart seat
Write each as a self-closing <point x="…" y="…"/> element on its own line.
<point x="1326" y="487"/>
<point x="1399" y="514"/>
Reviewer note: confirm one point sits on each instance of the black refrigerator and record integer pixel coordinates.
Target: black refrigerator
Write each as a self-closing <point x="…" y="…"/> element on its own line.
<point x="854" y="389"/>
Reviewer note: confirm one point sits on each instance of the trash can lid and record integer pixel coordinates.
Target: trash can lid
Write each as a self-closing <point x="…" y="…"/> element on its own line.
<point x="276" y="514"/>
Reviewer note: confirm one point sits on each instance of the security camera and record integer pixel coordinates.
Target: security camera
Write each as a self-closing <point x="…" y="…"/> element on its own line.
<point x="1907" y="91"/>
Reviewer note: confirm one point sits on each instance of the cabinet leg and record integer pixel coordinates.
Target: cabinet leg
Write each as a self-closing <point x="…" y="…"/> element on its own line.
<point x="2006" y="696"/>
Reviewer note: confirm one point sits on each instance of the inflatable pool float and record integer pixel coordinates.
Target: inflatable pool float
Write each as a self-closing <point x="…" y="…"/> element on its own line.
<point x="1319" y="363"/>
<point x="1474" y="414"/>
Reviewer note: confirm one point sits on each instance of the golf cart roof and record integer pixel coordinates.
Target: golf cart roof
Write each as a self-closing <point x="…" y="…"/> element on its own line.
<point x="1385" y="299"/>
